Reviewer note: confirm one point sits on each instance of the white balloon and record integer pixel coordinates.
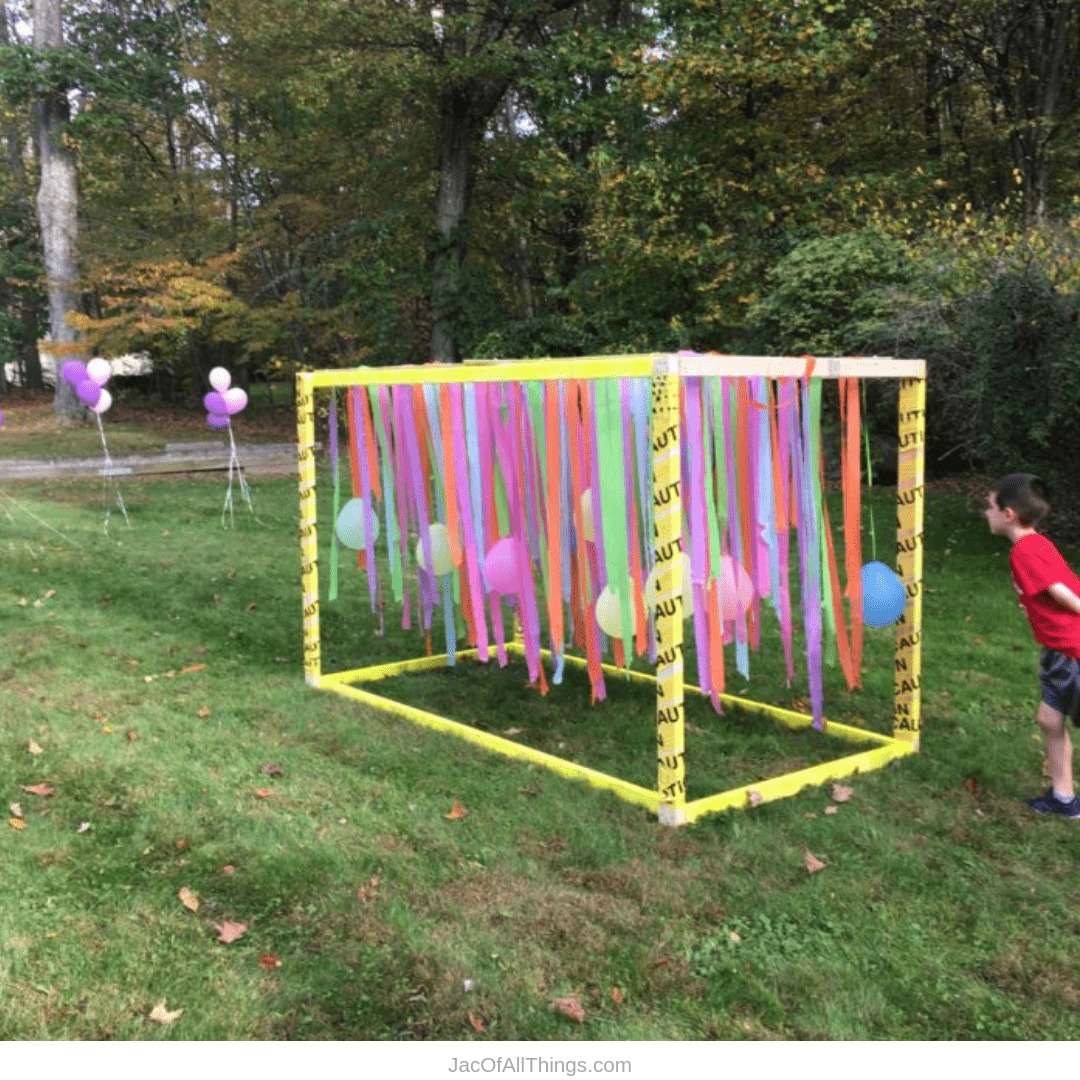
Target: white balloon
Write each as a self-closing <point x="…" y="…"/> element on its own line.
<point x="104" y="402"/>
<point x="99" y="371"/>
<point x="609" y="613"/>
<point x="235" y="400"/>
<point x="220" y="379"/>
<point x="652" y="589"/>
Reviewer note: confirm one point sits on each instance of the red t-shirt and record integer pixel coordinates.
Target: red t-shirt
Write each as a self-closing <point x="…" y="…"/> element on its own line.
<point x="1036" y="565"/>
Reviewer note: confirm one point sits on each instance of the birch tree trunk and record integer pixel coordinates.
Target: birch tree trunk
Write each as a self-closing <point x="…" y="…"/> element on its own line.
<point x="57" y="205"/>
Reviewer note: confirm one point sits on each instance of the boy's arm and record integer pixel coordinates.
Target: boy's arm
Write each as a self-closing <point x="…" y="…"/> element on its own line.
<point x="1065" y="596"/>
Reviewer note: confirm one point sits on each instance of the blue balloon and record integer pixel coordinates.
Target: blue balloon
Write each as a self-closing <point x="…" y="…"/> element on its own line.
<point x="883" y="595"/>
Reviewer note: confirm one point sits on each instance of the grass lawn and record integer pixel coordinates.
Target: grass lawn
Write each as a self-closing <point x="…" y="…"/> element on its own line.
<point x="150" y="678"/>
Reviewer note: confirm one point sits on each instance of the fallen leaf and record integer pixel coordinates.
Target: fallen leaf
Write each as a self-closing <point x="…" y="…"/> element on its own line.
<point x="810" y="815"/>
<point x="228" y="869"/>
<point x="263" y="793"/>
<point x="200" y="650"/>
<point x="479" y="1023"/>
<point x="368" y="892"/>
<point x="976" y="641"/>
<point x="812" y="863"/>
<point x="188" y="668"/>
<point x="182" y="843"/>
<point x="269" y="962"/>
<point x="617" y="995"/>
<point x="34" y="748"/>
<point x="16" y="810"/>
<point x="106" y="729"/>
<point x="132" y="735"/>
<point x="571" y="1008"/>
<point x="272" y="770"/>
<point x="841" y="793"/>
<point x="972" y="785"/>
<point x="204" y="712"/>
<point x="733" y="937"/>
<point x="189" y="899"/>
<point x="754" y="798"/>
<point x="252" y="607"/>
<point x="160" y="1015"/>
<point x="968" y="618"/>
<point x="84" y="827"/>
<point x="512" y="731"/>
<point x="457" y="812"/>
<point x="40" y="789"/>
<point x="832" y="810"/>
<point x="17" y="823"/>
<point x="230" y="931"/>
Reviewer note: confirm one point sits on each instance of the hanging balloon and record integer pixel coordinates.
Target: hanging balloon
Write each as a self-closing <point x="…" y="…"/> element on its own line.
<point x="588" y="521"/>
<point x="736" y="589"/>
<point x="883" y="595"/>
<point x="98" y="370"/>
<point x="89" y="393"/>
<point x="215" y="403"/>
<point x="652" y="589"/>
<point x="74" y="372"/>
<point x="502" y="565"/>
<point x="103" y="403"/>
<point x="609" y="613"/>
<point x="350" y="526"/>
<point x="218" y="421"/>
<point x="442" y="561"/>
<point x="235" y="400"/>
<point x="220" y="379"/>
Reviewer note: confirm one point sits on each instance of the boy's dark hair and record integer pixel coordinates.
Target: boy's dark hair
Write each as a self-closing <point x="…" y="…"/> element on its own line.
<point x="1026" y="495"/>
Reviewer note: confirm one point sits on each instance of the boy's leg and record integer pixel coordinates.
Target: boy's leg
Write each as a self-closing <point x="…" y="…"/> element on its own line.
<point x="1058" y="748"/>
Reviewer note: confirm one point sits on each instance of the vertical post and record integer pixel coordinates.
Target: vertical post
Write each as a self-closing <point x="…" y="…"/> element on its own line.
<point x="910" y="500"/>
<point x="309" y="541"/>
<point x="668" y="605"/>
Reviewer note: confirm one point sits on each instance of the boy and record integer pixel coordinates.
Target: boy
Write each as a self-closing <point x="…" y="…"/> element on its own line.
<point x="1049" y="593"/>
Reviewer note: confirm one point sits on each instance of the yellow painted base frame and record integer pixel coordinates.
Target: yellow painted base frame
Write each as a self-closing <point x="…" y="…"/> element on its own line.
<point x="882" y="748"/>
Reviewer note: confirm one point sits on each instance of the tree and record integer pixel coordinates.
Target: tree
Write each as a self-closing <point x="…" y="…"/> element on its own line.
<point x="57" y="198"/>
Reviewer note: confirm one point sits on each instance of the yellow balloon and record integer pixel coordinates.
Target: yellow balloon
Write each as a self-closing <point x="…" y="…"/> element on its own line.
<point x="588" y="522"/>
<point x="442" y="562"/>
<point x="609" y="614"/>
<point x="652" y="589"/>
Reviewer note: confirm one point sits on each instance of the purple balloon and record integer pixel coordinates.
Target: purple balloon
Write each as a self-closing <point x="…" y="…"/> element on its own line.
<point x="217" y="421"/>
<point x="75" y="372"/>
<point x="89" y="392"/>
<point x="215" y="403"/>
<point x="1" y="419"/>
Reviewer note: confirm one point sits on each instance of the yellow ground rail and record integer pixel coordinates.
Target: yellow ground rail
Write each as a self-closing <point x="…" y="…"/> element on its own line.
<point x="668" y="801"/>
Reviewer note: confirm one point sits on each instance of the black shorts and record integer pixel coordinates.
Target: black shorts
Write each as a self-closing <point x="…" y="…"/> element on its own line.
<point x="1059" y="678"/>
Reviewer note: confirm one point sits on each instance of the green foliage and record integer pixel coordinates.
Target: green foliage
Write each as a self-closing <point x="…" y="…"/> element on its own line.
<point x="831" y="296"/>
<point x="1024" y="389"/>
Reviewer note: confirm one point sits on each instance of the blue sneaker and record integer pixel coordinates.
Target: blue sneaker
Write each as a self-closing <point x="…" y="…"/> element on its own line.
<point x="1048" y="804"/>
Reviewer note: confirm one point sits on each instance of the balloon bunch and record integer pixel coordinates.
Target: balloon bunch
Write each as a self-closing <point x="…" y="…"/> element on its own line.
<point x="224" y="400"/>
<point x="223" y="403"/>
<point x="88" y="381"/>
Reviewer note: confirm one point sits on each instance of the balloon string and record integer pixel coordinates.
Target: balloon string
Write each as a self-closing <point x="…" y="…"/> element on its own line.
<point x="869" y="476"/>
<point x="108" y="472"/>
<point x="234" y="465"/>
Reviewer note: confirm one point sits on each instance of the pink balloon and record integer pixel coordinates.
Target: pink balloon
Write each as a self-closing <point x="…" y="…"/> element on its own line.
<point x="215" y="403"/>
<point x="89" y="392"/>
<point x="502" y="568"/>
<point x="235" y="400"/>
<point x="736" y="589"/>
<point x="74" y="371"/>
<point x="217" y="421"/>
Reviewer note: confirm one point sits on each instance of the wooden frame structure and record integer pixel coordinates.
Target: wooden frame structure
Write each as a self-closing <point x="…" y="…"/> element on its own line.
<point x="668" y="800"/>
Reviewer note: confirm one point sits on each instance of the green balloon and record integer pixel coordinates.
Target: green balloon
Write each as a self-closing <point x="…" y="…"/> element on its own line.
<point x="350" y="525"/>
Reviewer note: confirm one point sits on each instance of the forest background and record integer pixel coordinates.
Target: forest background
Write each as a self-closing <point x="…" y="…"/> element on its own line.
<point x="273" y="187"/>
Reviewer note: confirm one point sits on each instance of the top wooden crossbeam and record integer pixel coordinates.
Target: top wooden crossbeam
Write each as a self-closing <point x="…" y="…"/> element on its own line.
<point x="633" y="366"/>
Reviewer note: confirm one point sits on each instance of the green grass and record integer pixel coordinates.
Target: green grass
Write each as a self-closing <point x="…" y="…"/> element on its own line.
<point x="945" y="911"/>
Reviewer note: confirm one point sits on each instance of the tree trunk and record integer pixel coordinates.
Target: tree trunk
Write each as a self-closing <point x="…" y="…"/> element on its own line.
<point x="57" y="207"/>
